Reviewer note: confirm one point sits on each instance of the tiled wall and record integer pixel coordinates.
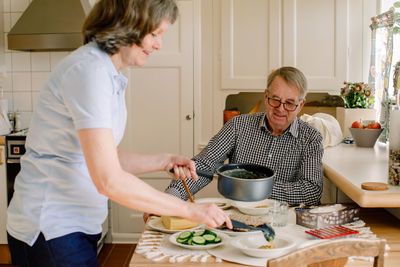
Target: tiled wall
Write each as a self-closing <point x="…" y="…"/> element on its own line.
<point x="25" y="72"/>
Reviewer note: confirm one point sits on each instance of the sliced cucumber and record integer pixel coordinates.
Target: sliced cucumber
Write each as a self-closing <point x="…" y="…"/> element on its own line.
<point x="217" y="240"/>
<point x="199" y="240"/>
<point x="182" y="240"/>
<point x="209" y="238"/>
<point x="185" y="235"/>
<point x="190" y="241"/>
<point x="209" y="232"/>
<point x="199" y="233"/>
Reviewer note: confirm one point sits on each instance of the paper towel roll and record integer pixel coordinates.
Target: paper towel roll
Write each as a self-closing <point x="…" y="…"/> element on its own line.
<point x="394" y="129"/>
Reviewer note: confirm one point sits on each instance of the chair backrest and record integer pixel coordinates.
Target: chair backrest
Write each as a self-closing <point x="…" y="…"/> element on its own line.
<point x="331" y="250"/>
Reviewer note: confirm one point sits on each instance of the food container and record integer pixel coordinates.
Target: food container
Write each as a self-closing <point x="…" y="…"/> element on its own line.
<point x="326" y="216"/>
<point x="229" y="114"/>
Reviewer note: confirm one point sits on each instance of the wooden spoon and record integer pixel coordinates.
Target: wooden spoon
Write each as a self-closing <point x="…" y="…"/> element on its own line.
<point x="186" y="187"/>
<point x="188" y="191"/>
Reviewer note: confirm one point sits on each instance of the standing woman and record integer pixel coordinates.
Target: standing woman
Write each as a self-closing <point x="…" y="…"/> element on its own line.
<point x="72" y="164"/>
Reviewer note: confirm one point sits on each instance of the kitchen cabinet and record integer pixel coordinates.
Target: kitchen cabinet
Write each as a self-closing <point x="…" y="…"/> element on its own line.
<point x="5" y="257"/>
<point x="312" y="35"/>
<point x="3" y="196"/>
<point x="128" y="224"/>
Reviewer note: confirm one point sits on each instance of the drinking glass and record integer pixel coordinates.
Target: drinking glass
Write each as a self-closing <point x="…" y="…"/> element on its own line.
<point x="279" y="216"/>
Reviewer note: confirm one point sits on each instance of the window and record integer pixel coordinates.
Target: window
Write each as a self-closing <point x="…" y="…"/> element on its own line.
<point x="385" y="6"/>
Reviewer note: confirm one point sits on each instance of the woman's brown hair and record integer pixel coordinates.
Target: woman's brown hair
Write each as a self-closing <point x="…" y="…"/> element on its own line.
<point x="117" y="23"/>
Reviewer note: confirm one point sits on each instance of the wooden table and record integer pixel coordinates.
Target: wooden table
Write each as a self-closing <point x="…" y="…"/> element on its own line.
<point x="348" y="166"/>
<point x="381" y="222"/>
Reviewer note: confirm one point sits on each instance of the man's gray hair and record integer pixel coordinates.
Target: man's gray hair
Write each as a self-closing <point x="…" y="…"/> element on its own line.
<point x="292" y="76"/>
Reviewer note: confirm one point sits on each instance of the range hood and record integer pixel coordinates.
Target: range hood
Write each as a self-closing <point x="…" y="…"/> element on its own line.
<point x="50" y="25"/>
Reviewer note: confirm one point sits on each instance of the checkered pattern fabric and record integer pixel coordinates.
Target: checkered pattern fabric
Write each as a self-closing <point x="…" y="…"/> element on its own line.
<point x="295" y="156"/>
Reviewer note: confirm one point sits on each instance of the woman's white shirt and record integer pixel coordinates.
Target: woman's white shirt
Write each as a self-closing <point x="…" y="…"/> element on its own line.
<point x="54" y="193"/>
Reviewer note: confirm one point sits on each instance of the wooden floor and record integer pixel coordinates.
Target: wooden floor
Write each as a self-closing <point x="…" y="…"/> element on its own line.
<point x="111" y="255"/>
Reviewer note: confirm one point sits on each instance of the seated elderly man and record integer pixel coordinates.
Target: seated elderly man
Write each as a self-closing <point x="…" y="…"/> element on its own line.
<point x="275" y="138"/>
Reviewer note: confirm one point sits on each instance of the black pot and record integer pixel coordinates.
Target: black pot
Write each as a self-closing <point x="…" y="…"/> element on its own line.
<point x="243" y="189"/>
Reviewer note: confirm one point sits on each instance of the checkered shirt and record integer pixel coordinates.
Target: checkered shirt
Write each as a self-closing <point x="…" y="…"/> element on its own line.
<point x="295" y="156"/>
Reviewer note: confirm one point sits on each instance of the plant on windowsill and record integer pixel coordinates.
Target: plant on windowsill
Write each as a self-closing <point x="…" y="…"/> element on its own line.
<point x="396" y="23"/>
<point x="357" y="95"/>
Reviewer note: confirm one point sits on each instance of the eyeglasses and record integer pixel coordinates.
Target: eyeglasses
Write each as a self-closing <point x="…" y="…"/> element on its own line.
<point x="275" y="103"/>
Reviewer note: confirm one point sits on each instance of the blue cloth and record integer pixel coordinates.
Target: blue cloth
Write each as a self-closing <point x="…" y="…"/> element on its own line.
<point x="54" y="193"/>
<point x="72" y="250"/>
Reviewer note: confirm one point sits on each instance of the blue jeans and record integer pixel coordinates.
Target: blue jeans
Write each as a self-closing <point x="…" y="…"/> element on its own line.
<point x="72" y="250"/>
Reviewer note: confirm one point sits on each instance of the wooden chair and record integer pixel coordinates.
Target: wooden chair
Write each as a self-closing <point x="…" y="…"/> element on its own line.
<point x="332" y="253"/>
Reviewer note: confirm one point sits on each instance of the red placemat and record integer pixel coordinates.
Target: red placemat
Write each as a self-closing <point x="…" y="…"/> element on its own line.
<point x="332" y="232"/>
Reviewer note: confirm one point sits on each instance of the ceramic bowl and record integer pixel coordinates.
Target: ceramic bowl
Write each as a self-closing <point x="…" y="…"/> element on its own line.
<point x="250" y="245"/>
<point x="365" y="137"/>
<point x="222" y="203"/>
<point x="255" y="207"/>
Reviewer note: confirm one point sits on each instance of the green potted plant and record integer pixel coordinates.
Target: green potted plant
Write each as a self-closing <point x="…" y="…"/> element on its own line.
<point x="357" y="95"/>
<point x="396" y="23"/>
<point x="358" y="100"/>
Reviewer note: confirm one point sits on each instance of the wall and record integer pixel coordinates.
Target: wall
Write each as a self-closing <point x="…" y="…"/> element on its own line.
<point x="22" y="74"/>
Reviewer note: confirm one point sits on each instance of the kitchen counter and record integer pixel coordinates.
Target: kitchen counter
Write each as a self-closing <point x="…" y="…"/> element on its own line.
<point x="348" y="166"/>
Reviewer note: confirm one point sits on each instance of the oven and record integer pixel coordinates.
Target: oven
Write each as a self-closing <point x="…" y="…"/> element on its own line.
<point x="15" y="148"/>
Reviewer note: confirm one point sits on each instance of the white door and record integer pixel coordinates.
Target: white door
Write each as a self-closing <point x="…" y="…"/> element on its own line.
<point x="160" y="94"/>
<point x="159" y="99"/>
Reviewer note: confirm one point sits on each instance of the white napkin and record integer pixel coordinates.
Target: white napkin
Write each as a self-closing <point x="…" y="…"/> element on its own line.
<point x="327" y="125"/>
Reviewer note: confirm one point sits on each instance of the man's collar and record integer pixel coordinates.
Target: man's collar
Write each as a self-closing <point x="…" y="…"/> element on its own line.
<point x="293" y="128"/>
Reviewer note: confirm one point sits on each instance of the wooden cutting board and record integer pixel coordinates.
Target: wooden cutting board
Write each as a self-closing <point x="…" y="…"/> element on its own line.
<point x="374" y="186"/>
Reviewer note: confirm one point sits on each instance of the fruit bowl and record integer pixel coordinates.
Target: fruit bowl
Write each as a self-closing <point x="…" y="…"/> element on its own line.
<point x="365" y="137"/>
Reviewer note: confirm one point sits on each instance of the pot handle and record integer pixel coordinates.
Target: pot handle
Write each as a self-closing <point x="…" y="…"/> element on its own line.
<point x="205" y="174"/>
<point x="200" y="172"/>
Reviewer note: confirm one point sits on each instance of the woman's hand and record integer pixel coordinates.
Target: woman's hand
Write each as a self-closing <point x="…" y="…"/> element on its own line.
<point x="183" y="167"/>
<point x="209" y="214"/>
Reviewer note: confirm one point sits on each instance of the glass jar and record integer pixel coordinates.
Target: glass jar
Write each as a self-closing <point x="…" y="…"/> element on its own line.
<point x="394" y="147"/>
<point x="394" y="131"/>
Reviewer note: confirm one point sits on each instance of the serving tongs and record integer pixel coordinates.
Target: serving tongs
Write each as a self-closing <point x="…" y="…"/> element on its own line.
<point x="268" y="231"/>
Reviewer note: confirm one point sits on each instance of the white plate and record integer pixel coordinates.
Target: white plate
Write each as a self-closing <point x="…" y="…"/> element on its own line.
<point x="261" y="207"/>
<point x="250" y="245"/>
<point x="230" y="253"/>
<point x="155" y="223"/>
<point x="223" y="203"/>
<point x="224" y="240"/>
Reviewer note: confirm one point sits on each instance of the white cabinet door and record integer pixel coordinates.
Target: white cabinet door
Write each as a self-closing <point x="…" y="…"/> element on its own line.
<point x="315" y="40"/>
<point x="247" y="50"/>
<point x="3" y="196"/>
<point x="258" y="36"/>
<point x="160" y="110"/>
<point x="160" y="94"/>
